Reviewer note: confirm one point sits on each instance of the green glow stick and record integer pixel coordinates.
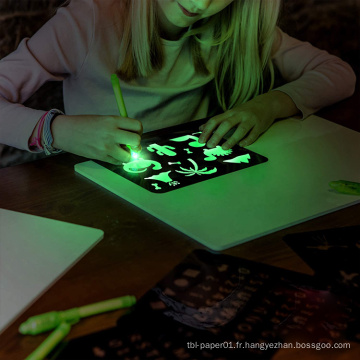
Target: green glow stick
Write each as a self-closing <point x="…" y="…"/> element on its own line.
<point x="44" y="322"/>
<point x="118" y="95"/>
<point x="121" y="105"/>
<point x="50" y="342"/>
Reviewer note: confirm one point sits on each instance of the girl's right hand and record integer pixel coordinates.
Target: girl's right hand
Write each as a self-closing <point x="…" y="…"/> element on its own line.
<point x="99" y="137"/>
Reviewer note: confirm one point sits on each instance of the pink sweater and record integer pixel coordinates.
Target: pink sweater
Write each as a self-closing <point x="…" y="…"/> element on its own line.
<point x="80" y="45"/>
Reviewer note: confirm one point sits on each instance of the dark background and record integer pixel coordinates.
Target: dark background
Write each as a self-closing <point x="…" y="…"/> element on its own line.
<point x="332" y="25"/>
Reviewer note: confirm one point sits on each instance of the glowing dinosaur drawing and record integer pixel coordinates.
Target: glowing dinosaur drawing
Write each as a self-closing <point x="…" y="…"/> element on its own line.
<point x="141" y="165"/>
<point x="194" y="143"/>
<point x="211" y="154"/>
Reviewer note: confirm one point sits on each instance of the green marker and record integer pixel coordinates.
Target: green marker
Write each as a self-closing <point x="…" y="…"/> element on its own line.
<point x="50" y="342"/>
<point x="44" y="322"/>
<point x="121" y="106"/>
<point x="346" y="187"/>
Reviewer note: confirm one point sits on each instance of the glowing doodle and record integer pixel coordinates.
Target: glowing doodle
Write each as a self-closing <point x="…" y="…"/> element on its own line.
<point x="211" y="154"/>
<point x="163" y="176"/>
<point x="195" y="170"/>
<point x="183" y="138"/>
<point x="162" y="149"/>
<point x="157" y="187"/>
<point x="174" y="183"/>
<point x="194" y="143"/>
<point x="140" y="165"/>
<point x="177" y="161"/>
<point x="239" y="159"/>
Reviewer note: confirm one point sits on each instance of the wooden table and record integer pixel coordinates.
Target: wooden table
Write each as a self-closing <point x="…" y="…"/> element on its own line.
<point x="137" y="250"/>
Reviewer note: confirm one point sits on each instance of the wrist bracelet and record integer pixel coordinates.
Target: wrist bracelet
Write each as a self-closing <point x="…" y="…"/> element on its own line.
<point x="37" y="140"/>
<point x="47" y="138"/>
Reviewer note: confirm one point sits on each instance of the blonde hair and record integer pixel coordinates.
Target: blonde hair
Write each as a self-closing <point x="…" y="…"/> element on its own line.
<point x="242" y="38"/>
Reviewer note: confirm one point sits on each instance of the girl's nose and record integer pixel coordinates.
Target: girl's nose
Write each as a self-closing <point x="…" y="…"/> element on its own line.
<point x="201" y="5"/>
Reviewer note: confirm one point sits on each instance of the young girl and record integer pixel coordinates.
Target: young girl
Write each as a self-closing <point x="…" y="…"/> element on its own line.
<point x="177" y="61"/>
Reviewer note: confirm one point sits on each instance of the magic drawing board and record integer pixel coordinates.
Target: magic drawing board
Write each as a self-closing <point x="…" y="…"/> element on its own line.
<point x="176" y="159"/>
<point x="223" y="211"/>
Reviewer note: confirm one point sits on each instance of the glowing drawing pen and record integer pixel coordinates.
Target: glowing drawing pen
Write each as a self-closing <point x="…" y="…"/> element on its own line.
<point x="346" y="187"/>
<point x="44" y="322"/>
<point x="121" y="104"/>
<point x="50" y="342"/>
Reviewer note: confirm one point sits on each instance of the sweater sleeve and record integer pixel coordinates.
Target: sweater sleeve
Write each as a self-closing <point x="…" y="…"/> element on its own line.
<point x="315" y="78"/>
<point x="56" y="51"/>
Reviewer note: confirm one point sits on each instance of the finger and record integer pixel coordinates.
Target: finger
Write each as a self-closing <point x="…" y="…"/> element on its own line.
<point x="129" y="124"/>
<point x="127" y="138"/>
<point x="219" y="133"/>
<point x="137" y="149"/>
<point x="112" y="160"/>
<point x="209" y="127"/>
<point x="119" y="153"/>
<point x="251" y="138"/>
<point x="239" y="134"/>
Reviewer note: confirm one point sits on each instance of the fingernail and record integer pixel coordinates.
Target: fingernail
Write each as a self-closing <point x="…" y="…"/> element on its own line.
<point x="211" y="144"/>
<point x="225" y="147"/>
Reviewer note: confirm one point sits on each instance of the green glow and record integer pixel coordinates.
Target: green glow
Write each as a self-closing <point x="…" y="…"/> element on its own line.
<point x="195" y="170"/>
<point x="134" y="155"/>
<point x="188" y="151"/>
<point x="175" y="163"/>
<point x="157" y="187"/>
<point x="194" y="143"/>
<point x="163" y="176"/>
<point x="214" y="152"/>
<point x="162" y="149"/>
<point x="174" y="183"/>
<point x="239" y="159"/>
<point x="141" y="165"/>
<point x="181" y="138"/>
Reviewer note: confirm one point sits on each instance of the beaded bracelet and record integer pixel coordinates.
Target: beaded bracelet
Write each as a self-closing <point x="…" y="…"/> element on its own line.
<point x="47" y="138"/>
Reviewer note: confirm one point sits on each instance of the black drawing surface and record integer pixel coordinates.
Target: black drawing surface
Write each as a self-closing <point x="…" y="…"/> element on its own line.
<point x="173" y="158"/>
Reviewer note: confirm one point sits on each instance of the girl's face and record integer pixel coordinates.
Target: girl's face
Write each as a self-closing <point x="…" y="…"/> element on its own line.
<point x="176" y="15"/>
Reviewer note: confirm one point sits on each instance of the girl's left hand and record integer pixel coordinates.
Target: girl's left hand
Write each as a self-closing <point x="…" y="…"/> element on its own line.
<point x="249" y="119"/>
